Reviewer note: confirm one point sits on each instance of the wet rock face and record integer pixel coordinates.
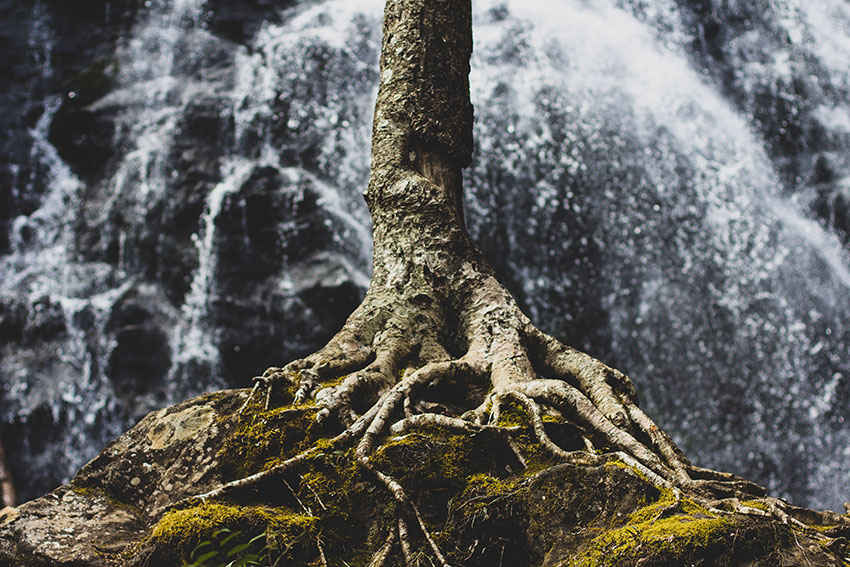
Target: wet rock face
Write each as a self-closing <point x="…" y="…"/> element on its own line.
<point x="239" y="22"/>
<point x="138" y="364"/>
<point x="15" y="72"/>
<point x="782" y="75"/>
<point x="53" y="50"/>
<point x="122" y="159"/>
<point x="269" y="226"/>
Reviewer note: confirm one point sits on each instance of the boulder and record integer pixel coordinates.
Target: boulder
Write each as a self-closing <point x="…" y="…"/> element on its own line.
<point x="129" y="505"/>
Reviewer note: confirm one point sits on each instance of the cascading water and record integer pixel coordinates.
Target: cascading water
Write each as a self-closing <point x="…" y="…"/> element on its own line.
<point x="664" y="184"/>
<point x="61" y="297"/>
<point x="116" y="298"/>
<point x="668" y="242"/>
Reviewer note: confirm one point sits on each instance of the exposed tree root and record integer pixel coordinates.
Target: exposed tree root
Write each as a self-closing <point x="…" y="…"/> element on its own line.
<point x="379" y="559"/>
<point x="393" y="387"/>
<point x="321" y="550"/>
<point x="404" y="543"/>
<point x="438" y="342"/>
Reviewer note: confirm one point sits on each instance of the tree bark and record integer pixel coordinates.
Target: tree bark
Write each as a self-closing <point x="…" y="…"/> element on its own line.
<point x="7" y="488"/>
<point x="435" y="312"/>
<point x="423" y="115"/>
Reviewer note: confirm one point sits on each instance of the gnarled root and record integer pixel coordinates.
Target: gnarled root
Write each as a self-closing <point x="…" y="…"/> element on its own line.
<point x="389" y="370"/>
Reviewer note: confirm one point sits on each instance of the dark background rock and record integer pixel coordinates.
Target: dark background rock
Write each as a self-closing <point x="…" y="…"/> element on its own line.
<point x="51" y="49"/>
<point x="239" y="22"/>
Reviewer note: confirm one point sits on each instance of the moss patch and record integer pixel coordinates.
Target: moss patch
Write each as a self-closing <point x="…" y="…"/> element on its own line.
<point x="434" y="465"/>
<point x="662" y="533"/>
<point x="538" y="457"/>
<point x="263" y="439"/>
<point x="179" y="532"/>
<point x="757" y="504"/>
<point x="352" y="509"/>
<point x="327" y="499"/>
<point x="482" y="507"/>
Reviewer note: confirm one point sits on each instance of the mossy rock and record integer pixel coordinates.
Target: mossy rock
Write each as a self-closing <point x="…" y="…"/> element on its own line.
<point x="263" y="439"/>
<point x="96" y="79"/>
<point x="182" y="535"/>
<point x="666" y="532"/>
<point x="482" y="506"/>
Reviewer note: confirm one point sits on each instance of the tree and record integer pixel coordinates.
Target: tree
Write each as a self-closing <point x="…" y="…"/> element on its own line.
<point x="436" y="315"/>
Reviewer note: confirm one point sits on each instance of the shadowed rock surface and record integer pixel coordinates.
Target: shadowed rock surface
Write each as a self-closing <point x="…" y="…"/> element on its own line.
<point x="483" y="506"/>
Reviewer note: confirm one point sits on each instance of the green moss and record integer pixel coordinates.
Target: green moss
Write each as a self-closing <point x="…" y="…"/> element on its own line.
<point x="333" y="487"/>
<point x="334" y="503"/>
<point x="180" y="531"/>
<point x="818" y="528"/>
<point x="660" y="533"/>
<point x="513" y="415"/>
<point x="757" y="504"/>
<point x="335" y="382"/>
<point x="537" y="457"/>
<point x="96" y="78"/>
<point x="617" y="463"/>
<point x="482" y="489"/>
<point x="202" y="520"/>
<point x="491" y="484"/>
<point x="548" y="418"/>
<point x="428" y="462"/>
<point x="264" y="439"/>
<point x="459" y="483"/>
<point x="329" y="483"/>
<point x="666" y="505"/>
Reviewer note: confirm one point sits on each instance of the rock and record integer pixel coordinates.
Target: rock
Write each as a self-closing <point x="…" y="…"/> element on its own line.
<point x="832" y="204"/>
<point x="83" y="138"/>
<point x="12" y="320"/>
<point x="111" y="501"/>
<point x="46" y="46"/>
<point x="239" y="22"/>
<point x="8" y="515"/>
<point x="141" y="358"/>
<point x="274" y="321"/>
<point x="280" y="290"/>
<point x="67" y="527"/>
<point x="471" y="490"/>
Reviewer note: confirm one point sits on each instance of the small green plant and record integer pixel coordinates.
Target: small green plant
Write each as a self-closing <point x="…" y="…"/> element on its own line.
<point x="224" y="550"/>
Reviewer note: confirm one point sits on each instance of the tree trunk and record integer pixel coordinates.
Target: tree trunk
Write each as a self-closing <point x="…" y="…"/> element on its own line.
<point x="7" y="488"/>
<point x="433" y="299"/>
<point x="435" y="312"/>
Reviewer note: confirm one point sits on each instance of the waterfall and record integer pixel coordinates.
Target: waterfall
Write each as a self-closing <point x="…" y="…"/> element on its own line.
<point x="650" y="224"/>
<point x="664" y="185"/>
